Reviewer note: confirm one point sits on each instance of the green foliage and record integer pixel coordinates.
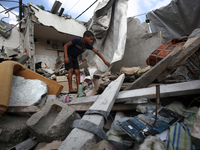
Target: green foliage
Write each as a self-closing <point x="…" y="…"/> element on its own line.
<point x="41" y="7"/>
<point x="65" y="15"/>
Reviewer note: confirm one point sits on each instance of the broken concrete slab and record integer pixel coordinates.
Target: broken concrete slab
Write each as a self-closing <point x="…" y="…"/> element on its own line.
<point x="75" y="27"/>
<point x="26" y="92"/>
<point x="95" y="115"/>
<point x="167" y="90"/>
<point x="52" y="122"/>
<point x="13" y="130"/>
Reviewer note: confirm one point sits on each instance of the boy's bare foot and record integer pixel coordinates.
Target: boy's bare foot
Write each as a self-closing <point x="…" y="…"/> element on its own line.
<point x="73" y="91"/>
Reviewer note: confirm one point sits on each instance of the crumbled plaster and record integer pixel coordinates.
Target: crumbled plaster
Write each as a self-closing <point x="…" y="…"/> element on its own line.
<point x="68" y="26"/>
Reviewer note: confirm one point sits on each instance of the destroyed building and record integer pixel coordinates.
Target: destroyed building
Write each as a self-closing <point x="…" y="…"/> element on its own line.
<point x="148" y="98"/>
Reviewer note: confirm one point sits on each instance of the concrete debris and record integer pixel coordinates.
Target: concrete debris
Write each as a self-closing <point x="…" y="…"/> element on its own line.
<point x="26" y="92"/>
<point x="38" y="112"/>
<point x="90" y="145"/>
<point x="52" y="122"/>
<point x="52" y="145"/>
<point x="27" y="144"/>
<point x="13" y="130"/>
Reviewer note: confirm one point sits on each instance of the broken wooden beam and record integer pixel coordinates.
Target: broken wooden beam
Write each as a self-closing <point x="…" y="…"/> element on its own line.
<point x="23" y="109"/>
<point x="116" y="107"/>
<point x="161" y="68"/>
<point x="188" y="50"/>
<point x="78" y="137"/>
<point x="76" y="107"/>
<point x="167" y="90"/>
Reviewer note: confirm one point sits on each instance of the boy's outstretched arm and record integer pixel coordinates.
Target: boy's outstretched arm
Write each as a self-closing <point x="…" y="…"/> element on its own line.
<point x="99" y="54"/>
<point x="66" y="60"/>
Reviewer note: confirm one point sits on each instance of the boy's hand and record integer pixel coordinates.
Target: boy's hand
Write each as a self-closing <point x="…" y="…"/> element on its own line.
<point x="67" y="60"/>
<point x="107" y="63"/>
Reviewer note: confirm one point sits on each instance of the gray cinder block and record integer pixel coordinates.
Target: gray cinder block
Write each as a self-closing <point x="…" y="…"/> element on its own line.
<point x="52" y="122"/>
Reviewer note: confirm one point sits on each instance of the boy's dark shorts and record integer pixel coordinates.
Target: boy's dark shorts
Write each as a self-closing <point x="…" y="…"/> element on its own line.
<point x="73" y="63"/>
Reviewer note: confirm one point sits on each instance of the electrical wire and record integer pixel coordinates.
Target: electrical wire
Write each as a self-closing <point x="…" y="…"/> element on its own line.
<point x="14" y="25"/>
<point x="10" y="11"/>
<point x="86" y="9"/>
<point x="11" y="1"/>
<point x="140" y="14"/>
<point x="74" y="6"/>
<point x="7" y="16"/>
<point x="66" y="3"/>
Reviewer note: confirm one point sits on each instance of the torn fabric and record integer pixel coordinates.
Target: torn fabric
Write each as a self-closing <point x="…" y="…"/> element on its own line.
<point x="177" y="19"/>
<point x="109" y="25"/>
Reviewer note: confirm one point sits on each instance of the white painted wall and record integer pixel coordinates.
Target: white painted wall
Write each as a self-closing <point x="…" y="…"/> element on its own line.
<point x="12" y="42"/>
<point x="57" y="30"/>
<point x="43" y="54"/>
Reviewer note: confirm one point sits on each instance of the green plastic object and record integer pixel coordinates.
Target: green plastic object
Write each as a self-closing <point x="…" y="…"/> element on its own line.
<point x="80" y="91"/>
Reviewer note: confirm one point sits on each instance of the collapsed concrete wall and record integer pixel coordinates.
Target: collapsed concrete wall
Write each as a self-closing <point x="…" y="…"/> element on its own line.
<point x="46" y="34"/>
<point x="139" y="45"/>
<point x="62" y="25"/>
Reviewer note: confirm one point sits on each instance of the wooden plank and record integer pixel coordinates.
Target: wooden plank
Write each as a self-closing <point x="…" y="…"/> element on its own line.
<point x="76" y="107"/>
<point x="116" y="107"/>
<point x="184" y="55"/>
<point x="179" y="54"/>
<point x="78" y="137"/>
<point x="23" y="59"/>
<point x="84" y="100"/>
<point x="167" y="90"/>
<point x="23" y="109"/>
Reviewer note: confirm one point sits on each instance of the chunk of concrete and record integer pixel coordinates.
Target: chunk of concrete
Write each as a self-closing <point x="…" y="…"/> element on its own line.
<point x="13" y="130"/>
<point x="52" y="122"/>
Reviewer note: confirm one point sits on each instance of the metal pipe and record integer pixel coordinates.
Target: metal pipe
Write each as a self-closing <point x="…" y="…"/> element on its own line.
<point x="20" y="15"/>
<point x="157" y="102"/>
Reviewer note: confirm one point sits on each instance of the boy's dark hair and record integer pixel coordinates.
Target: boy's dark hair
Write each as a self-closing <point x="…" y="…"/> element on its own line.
<point x="88" y="33"/>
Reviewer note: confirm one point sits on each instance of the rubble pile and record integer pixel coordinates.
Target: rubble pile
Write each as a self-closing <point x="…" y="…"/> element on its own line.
<point x="143" y="116"/>
<point x="136" y="105"/>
